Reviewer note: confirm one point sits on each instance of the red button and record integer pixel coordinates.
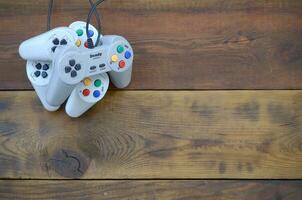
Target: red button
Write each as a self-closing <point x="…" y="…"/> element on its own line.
<point x="86" y="44"/>
<point x="86" y="92"/>
<point x="122" y="64"/>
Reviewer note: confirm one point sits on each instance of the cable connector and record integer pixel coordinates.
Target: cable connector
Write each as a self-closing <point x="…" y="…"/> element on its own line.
<point x="90" y="43"/>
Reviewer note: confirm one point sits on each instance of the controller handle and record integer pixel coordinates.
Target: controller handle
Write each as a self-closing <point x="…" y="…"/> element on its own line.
<point x="67" y="74"/>
<point x="121" y="79"/>
<point x="58" y="91"/>
<point x="39" y="74"/>
<point x="86" y="94"/>
<point x="43" y="47"/>
<point x="118" y="46"/>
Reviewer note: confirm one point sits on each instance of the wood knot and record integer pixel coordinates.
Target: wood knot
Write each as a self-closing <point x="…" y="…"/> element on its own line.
<point x="68" y="163"/>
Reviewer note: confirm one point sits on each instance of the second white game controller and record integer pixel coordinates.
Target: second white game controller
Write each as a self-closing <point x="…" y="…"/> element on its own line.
<point x="87" y="93"/>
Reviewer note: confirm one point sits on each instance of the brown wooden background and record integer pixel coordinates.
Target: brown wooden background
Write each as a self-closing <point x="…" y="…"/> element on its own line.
<point x="216" y="94"/>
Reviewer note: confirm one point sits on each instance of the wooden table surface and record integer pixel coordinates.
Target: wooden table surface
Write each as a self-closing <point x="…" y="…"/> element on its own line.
<point x="214" y="110"/>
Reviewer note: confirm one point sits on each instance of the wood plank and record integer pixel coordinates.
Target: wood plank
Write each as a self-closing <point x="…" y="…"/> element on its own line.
<point x="193" y="189"/>
<point x="155" y="134"/>
<point x="206" y="44"/>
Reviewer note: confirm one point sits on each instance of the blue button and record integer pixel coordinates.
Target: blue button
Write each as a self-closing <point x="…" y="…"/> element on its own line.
<point x="90" y="33"/>
<point x="96" y="93"/>
<point x="128" y="54"/>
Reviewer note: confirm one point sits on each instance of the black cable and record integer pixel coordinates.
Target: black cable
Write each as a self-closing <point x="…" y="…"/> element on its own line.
<point x="98" y="20"/>
<point x="92" y="10"/>
<point x="50" y="7"/>
<point x="97" y="16"/>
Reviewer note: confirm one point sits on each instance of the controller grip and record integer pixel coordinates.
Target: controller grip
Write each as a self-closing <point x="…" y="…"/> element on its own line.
<point x="42" y="47"/>
<point x="121" y="79"/>
<point x="75" y="106"/>
<point x="35" y="48"/>
<point x="58" y="91"/>
<point x="41" y="92"/>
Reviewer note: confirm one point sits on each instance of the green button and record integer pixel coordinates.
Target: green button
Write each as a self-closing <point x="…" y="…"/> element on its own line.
<point x="97" y="83"/>
<point x="120" y="49"/>
<point x="80" y="32"/>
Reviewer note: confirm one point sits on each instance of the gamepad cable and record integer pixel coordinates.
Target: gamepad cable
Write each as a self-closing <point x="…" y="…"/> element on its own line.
<point x="89" y="40"/>
<point x="50" y="7"/>
<point x="93" y="10"/>
<point x="98" y="20"/>
<point x="99" y="27"/>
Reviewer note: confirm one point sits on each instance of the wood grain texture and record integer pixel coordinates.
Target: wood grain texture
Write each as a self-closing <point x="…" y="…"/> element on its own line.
<point x="134" y="190"/>
<point x="192" y="44"/>
<point x="155" y="134"/>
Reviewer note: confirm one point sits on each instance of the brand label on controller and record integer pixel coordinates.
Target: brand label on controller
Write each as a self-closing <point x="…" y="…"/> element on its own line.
<point x="96" y="56"/>
<point x="96" y="61"/>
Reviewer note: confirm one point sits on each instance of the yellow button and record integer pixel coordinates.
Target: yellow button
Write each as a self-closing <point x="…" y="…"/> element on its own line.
<point x="78" y="43"/>
<point x="87" y="81"/>
<point x="114" y="58"/>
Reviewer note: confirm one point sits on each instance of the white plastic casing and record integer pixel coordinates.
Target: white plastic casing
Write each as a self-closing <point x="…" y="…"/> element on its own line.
<point x="54" y="89"/>
<point x="121" y="78"/>
<point x="39" y="83"/>
<point x="92" y="62"/>
<point x="78" y="103"/>
<point x="40" y="47"/>
<point x="79" y="25"/>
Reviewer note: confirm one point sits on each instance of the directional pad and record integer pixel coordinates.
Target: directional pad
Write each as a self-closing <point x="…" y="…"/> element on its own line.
<point x="41" y="70"/>
<point x="56" y="42"/>
<point x="73" y="68"/>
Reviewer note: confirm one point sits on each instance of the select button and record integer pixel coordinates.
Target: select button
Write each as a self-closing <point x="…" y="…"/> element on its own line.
<point x="93" y="68"/>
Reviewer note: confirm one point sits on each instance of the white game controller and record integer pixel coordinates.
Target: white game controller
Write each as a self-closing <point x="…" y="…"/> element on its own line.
<point x="39" y="74"/>
<point x="44" y="46"/>
<point x="59" y="60"/>
<point x="86" y="94"/>
<point x="72" y="65"/>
